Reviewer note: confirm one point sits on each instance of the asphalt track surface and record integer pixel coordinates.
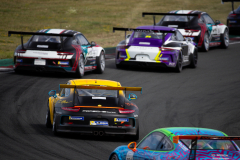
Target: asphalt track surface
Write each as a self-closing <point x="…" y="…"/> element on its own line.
<point x="208" y="96"/>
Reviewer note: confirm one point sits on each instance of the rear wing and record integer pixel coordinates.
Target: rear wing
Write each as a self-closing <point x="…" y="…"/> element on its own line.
<point x="195" y="138"/>
<point x="199" y="137"/>
<point x="142" y="30"/>
<point x="101" y="87"/>
<point x="232" y="3"/>
<point x="165" y="14"/>
<point x="38" y="33"/>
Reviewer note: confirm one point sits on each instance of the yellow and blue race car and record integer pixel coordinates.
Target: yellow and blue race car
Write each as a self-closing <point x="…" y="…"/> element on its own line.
<point x="93" y="106"/>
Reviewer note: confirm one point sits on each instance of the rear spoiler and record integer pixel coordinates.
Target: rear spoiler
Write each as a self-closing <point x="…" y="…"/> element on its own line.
<point x="194" y="138"/>
<point x="38" y="33"/>
<point x="165" y="14"/>
<point x="142" y="30"/>
<point x="232" y="3"/>
<point x="101" y="87"/>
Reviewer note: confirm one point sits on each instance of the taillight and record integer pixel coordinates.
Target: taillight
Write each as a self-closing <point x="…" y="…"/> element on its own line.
<point x="126" y="111"/>
<point x="123" y="47"/>
<point x="71" y="109"/>
<point x="64" y="53"/>
<point x="232" y="15"/>
<point x="21" y="51"/>
<point x="165" y="49"/>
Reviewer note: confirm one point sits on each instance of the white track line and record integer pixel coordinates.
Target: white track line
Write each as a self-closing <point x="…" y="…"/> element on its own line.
<point x="234" y="42"/>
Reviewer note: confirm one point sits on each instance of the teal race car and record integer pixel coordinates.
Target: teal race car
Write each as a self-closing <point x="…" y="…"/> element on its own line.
<point x="180" y="143"/>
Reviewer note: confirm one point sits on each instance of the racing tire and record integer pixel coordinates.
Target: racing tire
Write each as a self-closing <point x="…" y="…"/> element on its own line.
<point x="205" y="45"/>
<point x="224" y="39"/>
<point x="193" y="59"/>
<point x="54" y="129"/>
<point x="48" y="121"/>
<point x="114" y="157"/>
<point x="80" y="68"/>
<point x="178" y="67"/>
<point x="100" y="60"/>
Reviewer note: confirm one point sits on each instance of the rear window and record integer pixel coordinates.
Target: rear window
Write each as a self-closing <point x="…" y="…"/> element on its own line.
<point x="43" y="38"/>
<point x="211" y="144"/>
<point x="178" y="18"/>
<point x="150" y="34"/>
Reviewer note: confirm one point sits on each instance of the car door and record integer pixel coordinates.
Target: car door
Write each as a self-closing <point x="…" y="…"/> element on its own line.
<point x="212" y="28"/>
<point x="152" y="147"/>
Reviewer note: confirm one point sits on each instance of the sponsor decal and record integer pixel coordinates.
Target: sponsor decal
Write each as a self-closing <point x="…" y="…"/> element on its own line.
<point x="42" y="46"/>
<point x="171" y="64"/>
<point x="104" y="98"/>
<point x="232" y="21"/>
<point x="173" y="26"/>
<point x="19" y="60"/>
<point x="39" y="62"/>
<point x="63" y="62"/>
<point x="135" y="115"/>
<point x="146" y="43"/>
<point x="80" y="118"/>
<point x="41" y="53"/>
<point x="185" y="58"/>
<point x="129" y="155"/>
<point x="97" y="111"/>
<point x="101" y="123"/>
<point x="121" y="120"/>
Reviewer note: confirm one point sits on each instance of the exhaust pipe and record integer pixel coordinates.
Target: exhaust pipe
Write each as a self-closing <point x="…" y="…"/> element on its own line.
<point x="95" y="133"/>
<point x="101" y="133"/>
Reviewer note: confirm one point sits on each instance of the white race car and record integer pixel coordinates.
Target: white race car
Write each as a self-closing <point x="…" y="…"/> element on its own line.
<point x="156" y="46"/>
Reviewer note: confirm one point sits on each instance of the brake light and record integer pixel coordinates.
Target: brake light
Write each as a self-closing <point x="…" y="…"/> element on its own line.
<point x="126" y="111"/>
<point x="232" y="15"/>
<point x="165" y="49"/>
<point x="64" y="53"/>
<point x="123" y="47"/>
<point x="21" y="51"/>
<point x="71" y="109"/>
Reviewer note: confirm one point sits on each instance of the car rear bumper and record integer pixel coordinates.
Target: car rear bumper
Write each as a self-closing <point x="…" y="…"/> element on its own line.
<point x="147" y="64"/>
<point x="34" y="68"/>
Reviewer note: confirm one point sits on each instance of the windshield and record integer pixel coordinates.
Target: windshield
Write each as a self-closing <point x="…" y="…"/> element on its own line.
<point x="43" y="38"/>
<point x="178" y="18"/>
<point x="97" y="93"/>
<point x="211" y="144"/>
<point x="150" y="34"/>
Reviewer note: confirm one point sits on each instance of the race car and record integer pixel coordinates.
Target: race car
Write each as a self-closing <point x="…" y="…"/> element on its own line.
<point x="93" y="106"/>
<point x="58" y="50"/>
<point x="156" y="46"/>
<point x="181" y="143"/>
<point x="233" y="19"/>
<point x="197" y="25"/>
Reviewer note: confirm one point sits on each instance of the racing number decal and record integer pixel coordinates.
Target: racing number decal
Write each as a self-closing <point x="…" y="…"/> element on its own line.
<point x="129" y="155"/>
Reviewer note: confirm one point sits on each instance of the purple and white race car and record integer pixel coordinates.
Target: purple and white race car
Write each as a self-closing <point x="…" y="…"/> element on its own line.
<point x="156" y="46"/>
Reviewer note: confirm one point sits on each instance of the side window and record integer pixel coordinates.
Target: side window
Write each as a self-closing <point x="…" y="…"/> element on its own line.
<point x="179" y="36"/>
<point x="165" y="145"/>
<point x="174" y="37"/>
<point x="200" y="20"/>
<point x="82" y="39"/>
<point x="208" y="19"/>
<point x="65" y="91"/>
<point x="152" y="141"/>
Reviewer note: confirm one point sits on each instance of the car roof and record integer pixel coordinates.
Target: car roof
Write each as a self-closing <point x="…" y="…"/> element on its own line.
<point x="58" y="31"/>
<point x="174" y="131"/>
<point x="157" y="28"/>
<point x="95" y="82"/>
<point x="186" y="12"/>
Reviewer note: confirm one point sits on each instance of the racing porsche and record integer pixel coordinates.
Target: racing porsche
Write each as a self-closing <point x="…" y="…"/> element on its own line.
<point x="58" y="50"/>
<point x="181" y="143"/>
<point x="156" y="46"/>
<point x="197" y="25"/>
<point x="233" y="19"/>
<point x="93" y="106"/>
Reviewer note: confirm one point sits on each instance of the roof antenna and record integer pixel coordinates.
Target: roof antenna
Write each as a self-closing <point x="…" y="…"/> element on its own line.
<point x="198" y="131"/>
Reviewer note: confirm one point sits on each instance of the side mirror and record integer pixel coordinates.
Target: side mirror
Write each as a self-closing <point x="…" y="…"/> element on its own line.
<point x="217" y="22"/>
<point x="132" y="96"/>
<point x="52" y="93"/>
<point x="93" y="44"/>
<point x="132" y="146"/>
